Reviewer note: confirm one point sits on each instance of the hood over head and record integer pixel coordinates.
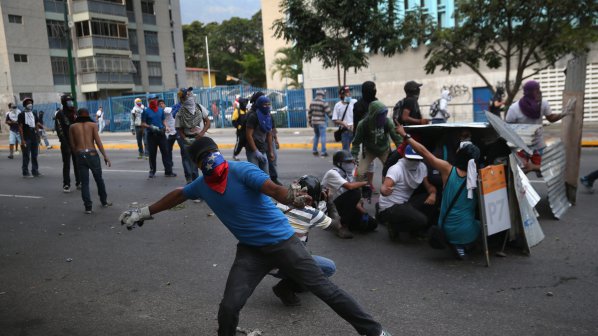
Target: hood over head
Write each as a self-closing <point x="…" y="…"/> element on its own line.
<point x="368" y="91"/>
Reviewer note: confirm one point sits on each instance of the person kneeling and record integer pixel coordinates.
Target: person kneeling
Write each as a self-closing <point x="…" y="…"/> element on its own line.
<point x="399" y="208"/>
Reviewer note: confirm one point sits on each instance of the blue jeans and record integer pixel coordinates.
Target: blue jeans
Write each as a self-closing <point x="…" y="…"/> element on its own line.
<point x="272" y="164"/>
<point x="157" y="140"/>
<point x="319" y="133"/>
<point x="189" y="167"/>
<point x="87" y="161"/>
<point x="264" y="166"/>
<point x="30" y="153"/>
<point x="346" y="139"/>
<point x="290" y="256"/>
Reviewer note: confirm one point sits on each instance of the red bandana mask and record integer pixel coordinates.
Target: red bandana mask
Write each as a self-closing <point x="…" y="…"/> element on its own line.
<point x="215" y="172"/>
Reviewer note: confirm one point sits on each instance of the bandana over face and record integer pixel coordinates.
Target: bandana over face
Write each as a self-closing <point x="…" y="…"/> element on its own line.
<point x="215" y="171"/>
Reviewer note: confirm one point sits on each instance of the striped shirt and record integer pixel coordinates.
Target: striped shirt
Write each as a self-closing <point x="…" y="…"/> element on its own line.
<point x="304" y="219"/>
<point x="318" y="109"/>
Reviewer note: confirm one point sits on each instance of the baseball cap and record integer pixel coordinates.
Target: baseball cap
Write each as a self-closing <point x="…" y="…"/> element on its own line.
<point x="344" y="89"/>
<point x="411" y="154"/>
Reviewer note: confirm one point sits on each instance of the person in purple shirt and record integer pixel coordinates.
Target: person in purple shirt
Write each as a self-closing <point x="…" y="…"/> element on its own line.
<point x="239" y="194"/>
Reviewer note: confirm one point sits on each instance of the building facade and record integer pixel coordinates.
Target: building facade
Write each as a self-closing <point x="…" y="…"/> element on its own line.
<point x="470" y="93"/>
<point x="118" y="47"/>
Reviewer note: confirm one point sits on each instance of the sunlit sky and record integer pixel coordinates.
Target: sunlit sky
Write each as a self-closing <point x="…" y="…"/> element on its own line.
<point x="217" y="10"/>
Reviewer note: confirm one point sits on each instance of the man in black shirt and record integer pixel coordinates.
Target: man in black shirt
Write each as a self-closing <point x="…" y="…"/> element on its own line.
<point x="63" y="120"/>
<point x="259" y="132"/>
<point x="28" y="124"/>
<point x="411" y="114"/>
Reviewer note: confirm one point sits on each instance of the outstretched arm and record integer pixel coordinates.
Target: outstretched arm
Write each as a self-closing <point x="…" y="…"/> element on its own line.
<point x="169" y="201"/>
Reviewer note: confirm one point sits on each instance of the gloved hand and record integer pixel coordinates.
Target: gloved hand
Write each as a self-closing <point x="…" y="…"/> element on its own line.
<point x="189" y="141"/>
<point x="261" y="156"/>
<point x="155" y="128"/>
<point x="135" y="217"/>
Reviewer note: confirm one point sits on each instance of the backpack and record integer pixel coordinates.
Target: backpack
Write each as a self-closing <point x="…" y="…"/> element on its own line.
<point x="397" y="112"/>
<point x="435" y="108"/>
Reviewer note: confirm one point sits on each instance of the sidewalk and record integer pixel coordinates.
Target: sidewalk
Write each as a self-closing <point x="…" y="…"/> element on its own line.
<point x="289" y="138"/>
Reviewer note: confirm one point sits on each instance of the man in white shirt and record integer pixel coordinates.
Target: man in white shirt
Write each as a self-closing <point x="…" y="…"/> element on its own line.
<point x="14" y="139"/>
<point x="342" y="115"/>
<point x="100" y="119"/>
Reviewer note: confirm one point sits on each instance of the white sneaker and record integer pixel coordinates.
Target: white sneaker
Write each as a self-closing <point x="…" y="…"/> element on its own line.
<point x="385" y="333"/>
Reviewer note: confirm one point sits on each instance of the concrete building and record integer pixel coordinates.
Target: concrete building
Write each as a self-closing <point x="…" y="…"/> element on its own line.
<point x="119" y="47"/>
<point x="470" y="94"/>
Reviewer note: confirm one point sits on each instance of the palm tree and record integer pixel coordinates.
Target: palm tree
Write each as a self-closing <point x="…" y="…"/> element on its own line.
<point x="289" y="66"/>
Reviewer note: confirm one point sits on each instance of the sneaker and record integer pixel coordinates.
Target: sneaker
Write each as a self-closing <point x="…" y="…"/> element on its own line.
<point x="88" y="211"/>
<point x="27" y="175"/>
<point x="586" y="183"/>
<point x="140" y="157"/>
<point x="66" y="188"/>
<point x="11" y="156"/>
<point x="459" y="251"/>
<point x="38" y="175"/>
<point x="78" y="186"/>
<point x="151" y="175"/>
<point x="324" y="155"/>
<point x="107" y="204"/>
<point x="49" y="147"/>
<point x="315" y="153"/>
<point x="385" y="333"/>
<point x="287" y="296"/>
<point x="170" y="175"/>
<point x="344" y="233"/>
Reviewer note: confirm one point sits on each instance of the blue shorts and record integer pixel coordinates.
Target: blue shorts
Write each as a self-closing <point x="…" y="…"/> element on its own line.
<point x="14" y="138"/>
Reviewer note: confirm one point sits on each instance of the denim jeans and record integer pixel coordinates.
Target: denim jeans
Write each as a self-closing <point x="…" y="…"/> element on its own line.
<point x="264" y="166"/>
<point x="67" y="157"/>
<point x="141" y="136"/>
<point x="158" y="140"/>
<point x="319" y="133"/>
<point x="273" y="164"/>
<point x="30" y="153"/>
<point x="290" y="256"/>
<point x="87" y="161"/>
<point x="346" y="139"/>
<point x="189" y="167"/>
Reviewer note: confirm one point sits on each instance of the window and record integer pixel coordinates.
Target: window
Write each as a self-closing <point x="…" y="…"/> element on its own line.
<point x="15" y="18"/>
<point x="137" y="74"/>
<point x="60" y="65"/>
<point x="129" y="5"/>
<point x="133" y="43"/>
<point x="20" y="58"/>
<point x="55" y="28"/>
<point x="82" y="28"/>
<point x="147" y="7"/>
<point x="154" y="69"/>
<point x="152" y="47"/>
<point x="106" y="63"/>
<point x="24" y="95"/>
<point x="101" y="28"/>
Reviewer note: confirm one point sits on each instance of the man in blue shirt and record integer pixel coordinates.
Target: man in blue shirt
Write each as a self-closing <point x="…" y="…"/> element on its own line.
<point x="238" y="194"/>
<point x="154" y="123"/>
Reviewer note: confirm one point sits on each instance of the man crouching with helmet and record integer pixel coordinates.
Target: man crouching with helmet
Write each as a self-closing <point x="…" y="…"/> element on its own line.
<point x="238" y="193"/>
<point x="346" y="195"/>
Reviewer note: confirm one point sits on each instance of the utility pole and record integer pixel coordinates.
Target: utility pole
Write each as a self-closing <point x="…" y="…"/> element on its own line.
<point x="69" y="51"/>
<point x="208" y="57"/>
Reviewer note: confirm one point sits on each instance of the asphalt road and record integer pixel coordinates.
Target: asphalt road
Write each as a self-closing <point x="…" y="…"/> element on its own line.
<point x="63" y="272"/>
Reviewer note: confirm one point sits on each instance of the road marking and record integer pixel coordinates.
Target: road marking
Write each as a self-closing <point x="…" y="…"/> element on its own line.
<point x="20" y="196"/>
<point x="128" y="171"/>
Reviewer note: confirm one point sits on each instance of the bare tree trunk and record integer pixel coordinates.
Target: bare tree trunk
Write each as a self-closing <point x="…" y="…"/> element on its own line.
<point x="344" y="76"/>
<point x="338" y="74"/>
<point x="572" y="126"/>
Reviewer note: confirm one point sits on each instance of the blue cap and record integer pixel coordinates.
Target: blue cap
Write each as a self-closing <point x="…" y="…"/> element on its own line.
<point x="411" y="154"/>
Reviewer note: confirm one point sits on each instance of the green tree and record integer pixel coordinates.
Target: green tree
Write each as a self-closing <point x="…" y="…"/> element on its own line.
<point x="254" y="70"/>
<point x="288" y="65"/>
<point x="524" y="37"/>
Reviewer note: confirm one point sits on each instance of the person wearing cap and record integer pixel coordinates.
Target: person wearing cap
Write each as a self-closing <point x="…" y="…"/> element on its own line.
<point x="411" y="114"/>
<point x="137" y="130"/>
<point x="342" y="115"/>
<point x="373" y="132"/>
<point x="238" y="192"/>
<point x="316" y="118"/>
<point x="84" y="138"/>
<point x="191" y="121"/>
<point x="64" y="118"/>
<point x="28" y="125"/>
<point x="458" y="206"/>
<point x="259" y="148"/>
<point x="400" y="209"/>
<point x="14" y="138"/>
<point x="153" y="121"/>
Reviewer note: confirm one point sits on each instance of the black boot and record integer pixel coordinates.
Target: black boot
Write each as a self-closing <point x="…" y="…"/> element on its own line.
<point x="286" y="294"/>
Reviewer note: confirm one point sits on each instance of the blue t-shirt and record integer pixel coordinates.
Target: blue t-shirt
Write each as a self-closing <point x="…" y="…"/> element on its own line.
<point x="250" y="216"/>
<point x="153" y="118"/>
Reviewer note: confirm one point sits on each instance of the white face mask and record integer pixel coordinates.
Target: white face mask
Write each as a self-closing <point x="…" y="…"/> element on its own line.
<point x="348" y="167"/>
<point x="411" y="164"/>
<point x="29" y="106"/>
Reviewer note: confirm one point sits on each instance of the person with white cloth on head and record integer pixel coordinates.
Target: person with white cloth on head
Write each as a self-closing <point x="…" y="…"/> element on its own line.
<point x="399" y="207"/>
<point x="457" y="209"/>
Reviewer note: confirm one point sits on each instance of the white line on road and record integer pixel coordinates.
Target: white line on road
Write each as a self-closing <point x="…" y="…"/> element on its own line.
<point x="20" y="196"/>
<point x="128" y="171"/>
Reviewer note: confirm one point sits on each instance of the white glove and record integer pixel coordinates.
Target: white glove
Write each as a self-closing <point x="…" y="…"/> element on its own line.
<point x="155" y="128"/>
<point x="134" y="217"/>
<point x="261" y="156"/>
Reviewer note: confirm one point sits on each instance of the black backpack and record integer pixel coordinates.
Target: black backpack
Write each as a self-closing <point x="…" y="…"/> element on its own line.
<point x="397" y="112"/>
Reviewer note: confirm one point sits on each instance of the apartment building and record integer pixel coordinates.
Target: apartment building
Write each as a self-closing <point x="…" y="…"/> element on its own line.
<point x="118" y="47"/>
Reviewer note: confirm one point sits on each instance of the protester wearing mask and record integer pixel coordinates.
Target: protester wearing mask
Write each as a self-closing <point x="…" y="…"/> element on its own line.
<point x="63" y="120"/>
<point x="28" y="125"/>
<point x="360" y="110"/>
<point x="137" y="130"/>
<point x="14" y="138"/>
<point x="153" y="120"/>
<point x="400" y="208"/>
<point x="259" y="132"/>
<point x="238" y="119"/>
<point x="497" y="105"/>
<point x="529" y="110"/>
<point x="191" y="121"/>
<point x="342" y="115"/>
<point x="457" y="210"/>
<point x="411" y="114"/>
<point x="373" y="132"/>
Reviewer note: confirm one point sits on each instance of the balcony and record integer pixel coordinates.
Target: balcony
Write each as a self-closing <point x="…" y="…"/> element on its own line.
<point x="54" y="6"/>
<point x="131" y="16"/>
<point x="107" y="78"/>
<point x="103" y="42"/>
<point x="149" y="19"/>
<point x="99" y="7"/>
<point x="155" y="80"/>
<point x="57" y="42"/>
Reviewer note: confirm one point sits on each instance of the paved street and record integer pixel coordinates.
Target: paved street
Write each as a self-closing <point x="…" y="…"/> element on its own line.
<point x="66" y="273"/>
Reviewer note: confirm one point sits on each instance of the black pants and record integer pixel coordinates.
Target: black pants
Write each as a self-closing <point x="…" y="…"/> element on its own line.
<point x="413" y="216"/>
<point x="241" y="141"/>
<point x="290" y="256"/>
<point x="157" y="140"/>
<point x="67" y="157"/>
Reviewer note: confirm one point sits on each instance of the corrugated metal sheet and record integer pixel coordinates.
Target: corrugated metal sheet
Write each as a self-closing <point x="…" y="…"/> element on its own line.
<point x="553" y="171"/>
<point x="527" y="132"/>
<point x="507" y="132"/>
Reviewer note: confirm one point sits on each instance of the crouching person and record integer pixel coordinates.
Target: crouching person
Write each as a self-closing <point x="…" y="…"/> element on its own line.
<point x="346" y="195"/>
<point x="400" y="209"/>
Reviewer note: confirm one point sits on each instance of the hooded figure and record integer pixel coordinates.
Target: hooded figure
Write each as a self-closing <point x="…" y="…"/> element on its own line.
<point x="360" y="110"/>
<point x="263" y="108"/>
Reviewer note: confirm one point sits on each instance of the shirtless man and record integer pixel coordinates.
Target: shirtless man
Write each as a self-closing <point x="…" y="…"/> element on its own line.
<point x="83" y="138"/>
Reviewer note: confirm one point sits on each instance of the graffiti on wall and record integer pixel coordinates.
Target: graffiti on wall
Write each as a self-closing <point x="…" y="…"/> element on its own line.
<point x="459" y="91"/>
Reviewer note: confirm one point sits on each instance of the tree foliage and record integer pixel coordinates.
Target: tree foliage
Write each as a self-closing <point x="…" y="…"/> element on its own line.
<point x="523" y="36"/>
<point x="288" y="65"/>
<point x="235" y="47"/>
